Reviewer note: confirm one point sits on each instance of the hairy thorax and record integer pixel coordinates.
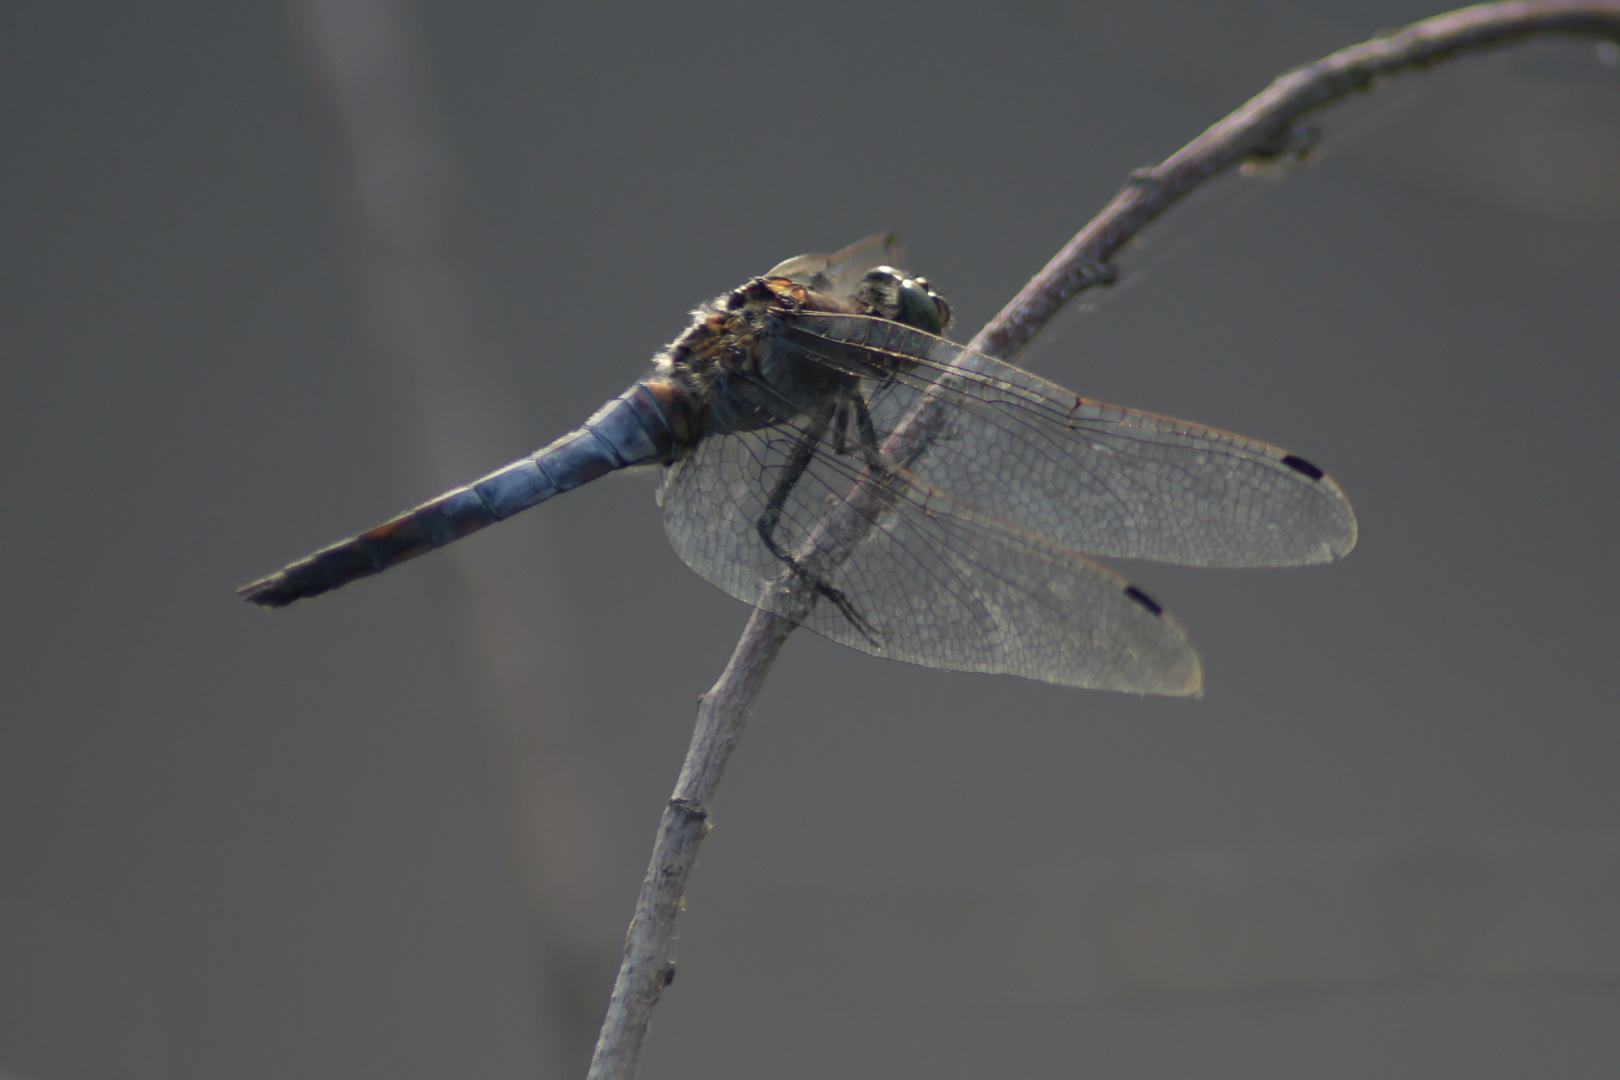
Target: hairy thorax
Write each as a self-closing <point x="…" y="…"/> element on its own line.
<point x="726" y="371"/>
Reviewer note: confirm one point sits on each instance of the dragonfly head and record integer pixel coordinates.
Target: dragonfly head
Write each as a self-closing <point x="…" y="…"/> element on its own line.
<point x="893" y="295"/>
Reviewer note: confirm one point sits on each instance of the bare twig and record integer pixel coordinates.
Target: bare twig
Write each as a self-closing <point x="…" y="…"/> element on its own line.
<point x="648" y="966"/>
<point x="1262" y="128"/>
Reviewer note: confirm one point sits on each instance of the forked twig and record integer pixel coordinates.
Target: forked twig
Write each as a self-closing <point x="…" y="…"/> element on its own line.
<point x="1264" y="127"/>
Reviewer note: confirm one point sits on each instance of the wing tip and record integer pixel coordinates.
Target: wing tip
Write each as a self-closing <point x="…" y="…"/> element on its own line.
<point x="1348" y="542"/>
<point x="1341" y="541"/>
<point x="1184" y="679"/>
<point x="1169" y="666"/>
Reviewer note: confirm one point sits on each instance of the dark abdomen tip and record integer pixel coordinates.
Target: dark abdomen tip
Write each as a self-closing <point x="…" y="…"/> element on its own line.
<point x="321" y="572"/>
<point x="270" y="592"/>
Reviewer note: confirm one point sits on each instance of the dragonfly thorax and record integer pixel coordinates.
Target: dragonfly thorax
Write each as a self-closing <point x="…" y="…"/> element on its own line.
<point x="728" y="367"/>
<point x="730" y="337"/>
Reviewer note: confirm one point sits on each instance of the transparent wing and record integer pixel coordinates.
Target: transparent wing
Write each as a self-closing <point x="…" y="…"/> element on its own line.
<point x="914" y="575"/>
<point x="1086" y="476"/>
<point x="839" y="273"/>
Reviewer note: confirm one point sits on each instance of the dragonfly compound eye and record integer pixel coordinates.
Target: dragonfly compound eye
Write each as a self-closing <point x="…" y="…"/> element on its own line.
<point x="925" y="308"/>
<point x="893" y="295"/>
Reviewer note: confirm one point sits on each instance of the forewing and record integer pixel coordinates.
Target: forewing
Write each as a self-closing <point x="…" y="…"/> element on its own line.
<point x="839" y="273"/>
<point x="1091" y="477"/>
<point x="908" y="573"/>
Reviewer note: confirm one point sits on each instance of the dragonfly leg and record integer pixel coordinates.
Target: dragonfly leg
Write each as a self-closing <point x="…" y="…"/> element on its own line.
<point x="840" y="421"/>
<point x="868" y="437"/>
<point x="869" y="445"/>
<point x="772" y="517"/>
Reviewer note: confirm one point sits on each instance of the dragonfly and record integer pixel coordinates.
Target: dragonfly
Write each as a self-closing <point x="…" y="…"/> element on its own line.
<point x="830" y="456"/>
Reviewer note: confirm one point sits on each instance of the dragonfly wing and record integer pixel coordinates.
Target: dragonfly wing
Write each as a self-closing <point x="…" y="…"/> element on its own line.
<point x="1091" y="477"/>
<point x="916" y="575"/>
<point x="839" y="273"/>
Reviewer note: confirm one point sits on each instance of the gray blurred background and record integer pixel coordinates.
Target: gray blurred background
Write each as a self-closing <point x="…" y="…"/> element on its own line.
<point x="274" y="271"/>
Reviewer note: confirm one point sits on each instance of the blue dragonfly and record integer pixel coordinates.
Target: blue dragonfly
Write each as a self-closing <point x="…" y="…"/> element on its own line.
<point x="829" y="456"/>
